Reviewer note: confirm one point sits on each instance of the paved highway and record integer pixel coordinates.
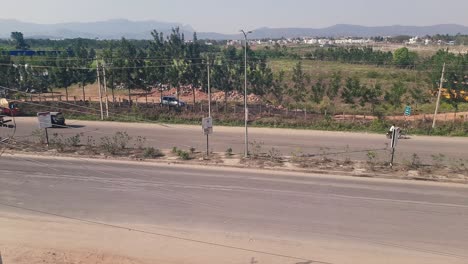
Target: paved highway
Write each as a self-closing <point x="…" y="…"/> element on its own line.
<point x="344" y="220"/>
<point x="285" y="140"/>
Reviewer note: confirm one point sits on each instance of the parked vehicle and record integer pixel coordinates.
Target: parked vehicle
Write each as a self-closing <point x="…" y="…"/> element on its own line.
<point x="8" y="108"/>
<point x="58" y="120"/>
<point x="171" y="101"/>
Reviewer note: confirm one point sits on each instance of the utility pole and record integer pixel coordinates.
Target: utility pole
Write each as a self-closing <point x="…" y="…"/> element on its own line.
<point x="438" y="97"/>
<point x="105" y="90"/>
<point x="246" y="110"/>
<point x="99" y="89"/>
<point x="209" y="112"/>
<point x="209" y="91"/>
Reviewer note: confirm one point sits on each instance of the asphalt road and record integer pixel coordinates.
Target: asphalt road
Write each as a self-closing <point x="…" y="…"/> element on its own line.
<point x="286" y="141"/>
<point x="418" y="218"/>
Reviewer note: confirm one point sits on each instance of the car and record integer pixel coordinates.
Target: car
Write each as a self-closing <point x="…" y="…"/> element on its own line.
<point x="9" y="108"/>
<point x="58" y="120"/>
<point x="171" y="101"/>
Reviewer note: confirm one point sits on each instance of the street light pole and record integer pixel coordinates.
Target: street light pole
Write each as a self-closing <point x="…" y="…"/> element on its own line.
<point x="246" y="110"/>
<point x="441" y="85"/>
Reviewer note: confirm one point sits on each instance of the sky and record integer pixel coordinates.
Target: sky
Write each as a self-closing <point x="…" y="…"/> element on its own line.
<point x="224" y="16"/>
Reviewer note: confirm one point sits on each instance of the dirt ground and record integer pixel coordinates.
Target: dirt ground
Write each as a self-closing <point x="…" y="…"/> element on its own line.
<point x="32" y="239"/>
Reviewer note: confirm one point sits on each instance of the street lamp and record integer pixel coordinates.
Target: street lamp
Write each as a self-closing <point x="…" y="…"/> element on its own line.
<point x="246" y="110"/>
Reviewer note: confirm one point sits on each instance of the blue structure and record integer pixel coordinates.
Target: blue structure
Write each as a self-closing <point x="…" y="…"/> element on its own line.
<point x="31" y="53"/>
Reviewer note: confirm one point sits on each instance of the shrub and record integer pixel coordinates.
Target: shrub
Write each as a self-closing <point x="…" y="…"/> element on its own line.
<point x="57" y="142"/>
<point x="140" y="142"/>
<point x="108" y="145"/>
<point x="151" y="153"/>
<point x="229" y="152"/>
<point x="184" y="155"/>
<point x="73" y="141"/>
<point x="39" y="136"/>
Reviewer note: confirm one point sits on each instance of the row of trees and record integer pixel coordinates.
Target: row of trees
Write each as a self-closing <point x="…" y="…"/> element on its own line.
<point x="173" y="61"/>
<point x="165" y="60"/>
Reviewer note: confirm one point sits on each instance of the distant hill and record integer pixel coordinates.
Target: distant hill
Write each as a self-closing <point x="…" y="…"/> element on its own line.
<point x="110" y="29"/>
<point x="117" y="28"/>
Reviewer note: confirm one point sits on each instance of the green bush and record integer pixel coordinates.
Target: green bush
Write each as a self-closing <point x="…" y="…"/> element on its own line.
<point x="183" y="155"/>
<point x="151" y="153"/>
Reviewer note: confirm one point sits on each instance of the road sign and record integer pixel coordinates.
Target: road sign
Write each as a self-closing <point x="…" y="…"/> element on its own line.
<point x="407" y="110"/>
<point x="45" y="121"/>
<point x="207" y="125"/>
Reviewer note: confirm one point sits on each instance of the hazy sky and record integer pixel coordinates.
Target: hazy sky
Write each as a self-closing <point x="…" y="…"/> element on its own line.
<point x="229" y="16"/>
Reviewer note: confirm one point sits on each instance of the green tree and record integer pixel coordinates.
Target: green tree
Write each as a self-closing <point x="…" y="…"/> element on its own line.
<point x="335" y="85"/>
<point x="394" y="95"/>
<point x="194" y="70"/>
<point x="318" y="90"/>
<point x="82" y="63"/>
<point x="351" y="90"/>
<point x="279" y="87"/>
<point x="403" y="58"/>
<point x="18" y="40"/>
<point x="372" y="95"/>
<point x="300" y="80"/>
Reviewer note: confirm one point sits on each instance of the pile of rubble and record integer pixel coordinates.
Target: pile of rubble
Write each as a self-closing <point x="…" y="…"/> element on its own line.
<point x="235" y="96"/>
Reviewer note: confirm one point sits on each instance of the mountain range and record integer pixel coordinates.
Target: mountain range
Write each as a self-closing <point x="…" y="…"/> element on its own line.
<point x="118" y="28"/>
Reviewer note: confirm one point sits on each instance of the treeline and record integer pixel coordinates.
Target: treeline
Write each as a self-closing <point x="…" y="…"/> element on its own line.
<point x="174" y="62"/>
<point x="164" y="61"/>
<point x="352" y="55"/>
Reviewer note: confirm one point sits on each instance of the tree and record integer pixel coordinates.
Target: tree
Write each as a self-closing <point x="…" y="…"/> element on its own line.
<point x="125" y="67"/>
<point x="318" y="90"/>
<point x="418" y="96"/>
<point x="83" y="61"/>
<point x="279" y="87"/>
<point x="371" y="95"/>
<point x="177" y="73"/>
<point x="194" y="70"/>
<point x="403" y="58"/>
<point x="19" y="41"/>
<point x="226" y="73"/>
<point x="260" y="77"/>
<point x="300" y="79"/>
<point x="351" y="90"/>
<point x="63" y="74"/>
<point x="394" y="95"/>
<point x="335" y="85"/>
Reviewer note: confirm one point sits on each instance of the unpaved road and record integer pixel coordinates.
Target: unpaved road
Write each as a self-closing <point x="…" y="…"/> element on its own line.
<point x="285" y="140"/>
<point x="126" y="212"/>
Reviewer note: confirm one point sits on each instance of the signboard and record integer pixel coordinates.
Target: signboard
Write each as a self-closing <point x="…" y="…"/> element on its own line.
<point x="207" y="125"/>
<point x="408" y="111"/>
<point x="45" y="121"/>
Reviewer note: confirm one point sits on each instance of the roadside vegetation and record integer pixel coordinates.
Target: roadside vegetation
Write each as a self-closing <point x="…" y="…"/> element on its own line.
<point x="321" y="82"/>
<point x="121" y="145"/>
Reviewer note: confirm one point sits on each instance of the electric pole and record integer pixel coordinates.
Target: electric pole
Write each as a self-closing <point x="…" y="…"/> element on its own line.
<point x="99" y="89"/>
<point x="105" y="90"/>
<point x="438" y="97"/>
